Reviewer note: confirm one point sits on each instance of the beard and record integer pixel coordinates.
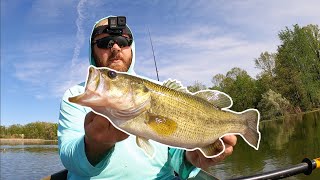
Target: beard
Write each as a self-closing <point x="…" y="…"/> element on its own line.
<point x="122" y="66"/>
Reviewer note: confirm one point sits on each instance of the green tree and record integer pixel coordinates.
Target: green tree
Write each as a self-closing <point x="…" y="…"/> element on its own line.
<point x="266" y="62"/>
<point x="35" y="130"/>
<point x="273" y="104"/>
<point x="51" y="129"/>
<point x="41" y="130"/>
<point x="15" y="130"/>
<point x="297" y="66"/>
<point x="197" y="86"/>
<point x="218" y="81"/>
<point x="3" y="131"/>
<point x="240" y="86"/>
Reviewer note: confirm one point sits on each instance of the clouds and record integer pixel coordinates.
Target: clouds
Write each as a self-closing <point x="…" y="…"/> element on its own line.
<point x="38" y="53"/>
<point x="195" y="41"/>
<point x="213" y="37"/>
<point x="199" y="53"/>
<point x="49" y="79"/>
<point x="50" y="11"/>
<point x="42" y="65"/>
<point x="44" y="49"/>
<point x="268" y="17"/>
<point x="34" y="72"/>
<point x="80" y="31"/>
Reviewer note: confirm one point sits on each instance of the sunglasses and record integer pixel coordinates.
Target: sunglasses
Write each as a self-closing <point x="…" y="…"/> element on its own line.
<point x="109" y="41"/>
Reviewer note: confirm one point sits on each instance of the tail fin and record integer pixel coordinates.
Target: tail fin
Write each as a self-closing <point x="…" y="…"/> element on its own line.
<point x="251" y="134"/>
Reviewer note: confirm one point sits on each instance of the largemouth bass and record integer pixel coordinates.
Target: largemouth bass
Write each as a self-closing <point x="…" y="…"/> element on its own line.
<point x="168" y="113"/>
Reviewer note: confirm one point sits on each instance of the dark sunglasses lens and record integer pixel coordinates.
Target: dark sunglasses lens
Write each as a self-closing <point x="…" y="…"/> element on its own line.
<point x="109" y="41"/>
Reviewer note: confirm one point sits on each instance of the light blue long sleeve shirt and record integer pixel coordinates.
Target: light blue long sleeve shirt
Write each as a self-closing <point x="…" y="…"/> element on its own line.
<point x="125" y="161"/>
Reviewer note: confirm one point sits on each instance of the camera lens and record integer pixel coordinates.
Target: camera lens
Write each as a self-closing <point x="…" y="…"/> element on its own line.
<point x="121" y="20"/>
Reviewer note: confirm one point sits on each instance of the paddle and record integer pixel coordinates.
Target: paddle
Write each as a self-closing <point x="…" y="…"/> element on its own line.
<point x="306" y="167"/>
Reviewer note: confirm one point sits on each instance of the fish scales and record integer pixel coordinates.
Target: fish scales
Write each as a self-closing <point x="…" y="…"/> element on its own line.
<point x="167" y="115"/>
<point x="196" y="121"/>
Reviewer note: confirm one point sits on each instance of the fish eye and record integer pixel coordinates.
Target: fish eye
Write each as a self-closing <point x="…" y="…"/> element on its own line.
<point x="112" y="74"/>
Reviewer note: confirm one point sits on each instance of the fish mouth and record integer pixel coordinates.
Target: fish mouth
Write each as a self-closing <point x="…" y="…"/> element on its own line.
<point x="93" y="79"/>
<point x="92" y="84"/>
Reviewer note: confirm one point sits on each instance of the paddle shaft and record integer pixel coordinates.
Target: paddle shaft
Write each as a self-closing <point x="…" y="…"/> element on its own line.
<point x="306" y="167"/>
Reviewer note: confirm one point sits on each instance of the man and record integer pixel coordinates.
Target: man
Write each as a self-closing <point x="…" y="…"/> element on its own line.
<point x="90" y="146"/>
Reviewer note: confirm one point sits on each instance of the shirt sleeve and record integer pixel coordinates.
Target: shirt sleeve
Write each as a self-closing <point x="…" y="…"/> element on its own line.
<point x="71" y="139"/>
<point x="179" y="163"/>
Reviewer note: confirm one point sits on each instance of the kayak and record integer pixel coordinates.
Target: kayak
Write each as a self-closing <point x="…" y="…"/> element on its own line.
<point x="61" y="175"/>
<point x="306" y="167"/>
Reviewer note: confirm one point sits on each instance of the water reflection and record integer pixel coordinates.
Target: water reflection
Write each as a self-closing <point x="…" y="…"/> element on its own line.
<point x="29" y="148"/>
<point x="32" y="161"/>
<point x="284" y="142"/>
<point x="14" y="142"/>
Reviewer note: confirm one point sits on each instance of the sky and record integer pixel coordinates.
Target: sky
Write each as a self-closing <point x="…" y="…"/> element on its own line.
<point x="44" y="44"/>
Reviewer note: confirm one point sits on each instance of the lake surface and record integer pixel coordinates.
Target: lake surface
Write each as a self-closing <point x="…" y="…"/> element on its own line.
<point x="29" y="161"/>
<point x="284" y="142"/>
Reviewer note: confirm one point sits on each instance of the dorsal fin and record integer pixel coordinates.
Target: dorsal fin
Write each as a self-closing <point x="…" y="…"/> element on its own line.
<point x="217" y="98"/>
<point x="175" y="85"/>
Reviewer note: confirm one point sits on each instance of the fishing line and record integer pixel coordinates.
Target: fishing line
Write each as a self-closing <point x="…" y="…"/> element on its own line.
<point x="154" y="57"/>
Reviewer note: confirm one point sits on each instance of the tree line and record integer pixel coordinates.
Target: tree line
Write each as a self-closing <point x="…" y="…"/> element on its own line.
<point x="35" y="130"/>
<point x="289" y="81"/>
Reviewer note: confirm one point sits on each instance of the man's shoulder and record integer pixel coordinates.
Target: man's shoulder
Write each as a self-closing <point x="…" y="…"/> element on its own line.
<point x="75" y="90"/>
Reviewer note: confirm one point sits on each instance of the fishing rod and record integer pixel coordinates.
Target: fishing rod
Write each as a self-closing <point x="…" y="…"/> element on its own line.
<point x="154" y="57"/>
<point x="306" y="167"/>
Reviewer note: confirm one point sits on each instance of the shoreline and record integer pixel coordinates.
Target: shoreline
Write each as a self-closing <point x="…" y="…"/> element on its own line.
<point x="14" y="141"/>
<point x="295" y="114"/>
<point x="20" y="139"/>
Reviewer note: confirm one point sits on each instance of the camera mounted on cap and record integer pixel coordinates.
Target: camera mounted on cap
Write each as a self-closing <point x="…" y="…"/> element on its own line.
<point x="116" y="26"/>
<point x="117" y="23"/>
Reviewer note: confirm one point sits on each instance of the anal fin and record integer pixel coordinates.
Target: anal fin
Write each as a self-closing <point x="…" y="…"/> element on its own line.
<point x="213" y="150"/>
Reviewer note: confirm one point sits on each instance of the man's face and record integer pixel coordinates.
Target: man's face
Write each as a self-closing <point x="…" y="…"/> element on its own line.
<point x="115" y="57"/>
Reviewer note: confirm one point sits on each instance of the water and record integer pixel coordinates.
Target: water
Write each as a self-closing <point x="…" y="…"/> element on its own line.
<point x="284" y="142"/>
<point x="28" y="161"/>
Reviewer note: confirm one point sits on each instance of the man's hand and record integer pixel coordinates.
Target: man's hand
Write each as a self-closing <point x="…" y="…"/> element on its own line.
<point x="197" y="159"/>
<point x="100" y="136"/>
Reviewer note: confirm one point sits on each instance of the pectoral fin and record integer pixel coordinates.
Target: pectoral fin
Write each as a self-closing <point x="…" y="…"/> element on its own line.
<point x="146" y="146"/>
<point x="213" y="150"/>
